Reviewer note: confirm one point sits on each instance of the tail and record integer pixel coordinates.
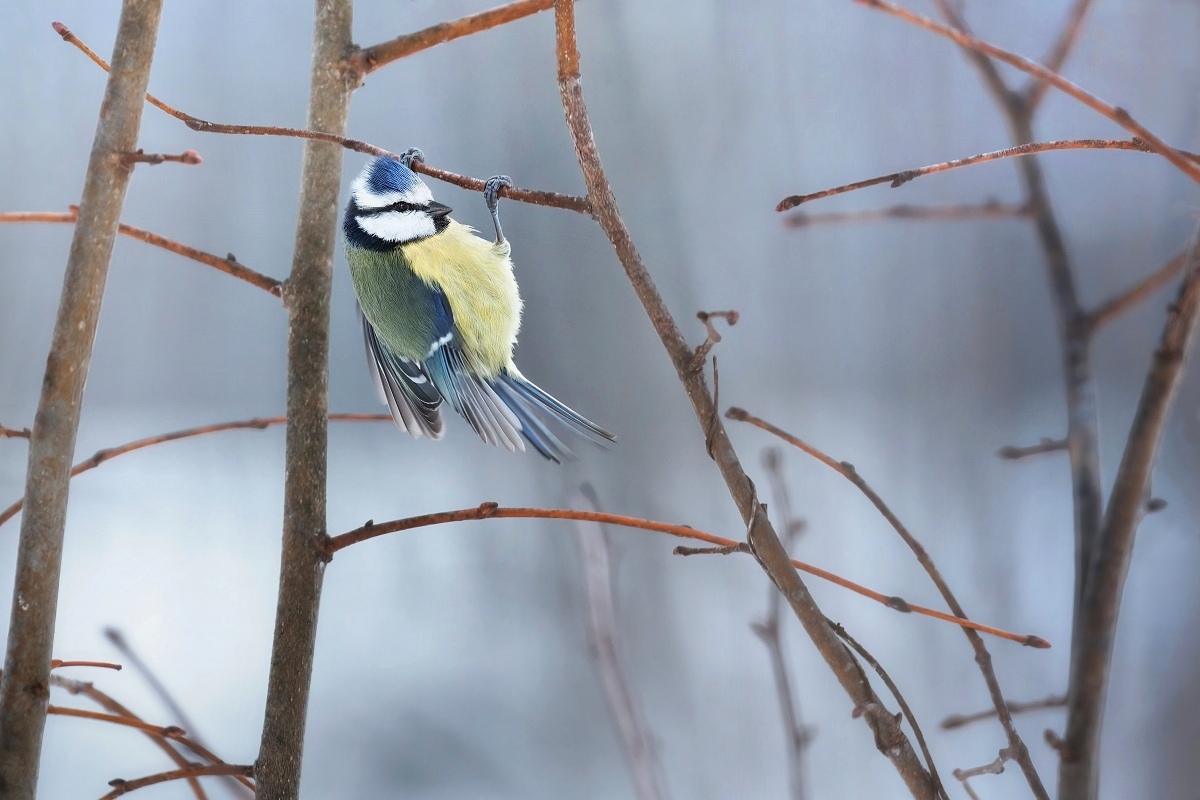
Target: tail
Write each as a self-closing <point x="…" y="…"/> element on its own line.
<point x="534" y="407"/>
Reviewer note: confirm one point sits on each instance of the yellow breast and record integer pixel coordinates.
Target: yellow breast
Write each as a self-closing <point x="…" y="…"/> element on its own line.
<point x="477" y="278"/>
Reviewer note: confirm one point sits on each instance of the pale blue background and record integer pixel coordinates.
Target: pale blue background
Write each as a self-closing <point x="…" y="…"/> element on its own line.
<point x="453" y="662"/>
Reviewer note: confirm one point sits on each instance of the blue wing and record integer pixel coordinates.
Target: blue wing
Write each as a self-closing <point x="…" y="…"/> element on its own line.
<point x="501" y="411"/>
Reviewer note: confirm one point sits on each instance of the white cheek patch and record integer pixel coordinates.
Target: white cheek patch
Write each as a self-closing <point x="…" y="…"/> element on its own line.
<point x="398" y="226"/>
<point x="368" y="199"/>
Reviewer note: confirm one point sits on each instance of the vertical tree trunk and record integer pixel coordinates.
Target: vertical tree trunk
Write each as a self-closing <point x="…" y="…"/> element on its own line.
<point x="24" y="689"/>
<point x="307" y="297"/>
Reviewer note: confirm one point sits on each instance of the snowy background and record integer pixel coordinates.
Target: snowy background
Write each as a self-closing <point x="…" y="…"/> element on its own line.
<point x="453" y="662"/>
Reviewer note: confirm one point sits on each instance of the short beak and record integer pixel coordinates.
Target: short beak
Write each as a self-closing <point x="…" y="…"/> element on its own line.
<point x="437" y="210"/>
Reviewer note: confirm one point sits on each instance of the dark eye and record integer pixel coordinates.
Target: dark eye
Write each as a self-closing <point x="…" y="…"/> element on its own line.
<point x="401" y="206"/>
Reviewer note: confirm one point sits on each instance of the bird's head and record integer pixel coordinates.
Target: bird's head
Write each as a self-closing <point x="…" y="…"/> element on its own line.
<point x="390" y="205"/>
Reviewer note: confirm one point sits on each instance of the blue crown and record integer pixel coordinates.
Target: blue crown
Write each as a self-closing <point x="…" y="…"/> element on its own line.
<point x="389" y="175"/>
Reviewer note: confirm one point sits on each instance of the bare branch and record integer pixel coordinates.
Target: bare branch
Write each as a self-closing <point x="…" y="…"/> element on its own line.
<point x="1013" y="453"/>
<point x="637" y="741"/>
<point x="1118" y="115"/>
<point x="713" y="336"/>
<point x="109" y="453"/>
<point x="770" y="630"/>
<point x="190" y="157"/>
<point x="121" y="787"/>
<point x="982" y="657"/>
<point x="896" y="179"/>
<point x="228" y="265"/>
<point x="24" y="688"/>
<point x="989" y="210"/>
<point x="1057" y="55"/>
<point x="1078" y="772"/>
<point x="1014" y="707"/>
<point x="1117" y="306"/>
<point x="904" y="707"/>
<point x="994" y="768"/>
<point x="55" y="663"/>
<point x="302" y="563"/>
<point x="534" y="197"/>
<point x="12" y="433"/>
<point x="368" y="59"/>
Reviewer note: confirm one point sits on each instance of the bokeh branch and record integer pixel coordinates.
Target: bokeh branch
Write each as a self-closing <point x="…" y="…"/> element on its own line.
<point x="897" y="179"/>
<point x="636" y="738"/>
<point x="1184" y="163"/>
<point x="989" y="210"/>
<point x="982" y="657"/>
<point x="258" y="423"/>
<point x="368" y="59"/>
<point x="1092" y="661"/>
<point x="24" y="688"/>
<point x="229" y="265"/>
<point x="761" y="535"/>
<point x="531" y="196"/>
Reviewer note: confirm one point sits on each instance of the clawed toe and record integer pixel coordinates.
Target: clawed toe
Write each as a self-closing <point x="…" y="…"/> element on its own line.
<point x="491" y="190"/>
<point x="412" y="155"/>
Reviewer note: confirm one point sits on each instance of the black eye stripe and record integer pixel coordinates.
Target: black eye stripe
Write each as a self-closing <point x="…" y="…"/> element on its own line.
<point x="400" y="206"/>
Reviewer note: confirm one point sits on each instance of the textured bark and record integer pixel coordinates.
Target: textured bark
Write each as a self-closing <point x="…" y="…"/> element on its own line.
<point x="307" y="297"/>
<point x="24" y="689"/>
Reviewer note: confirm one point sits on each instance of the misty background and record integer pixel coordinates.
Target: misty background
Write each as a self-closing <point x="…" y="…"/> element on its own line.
<point x="452" y="661"/>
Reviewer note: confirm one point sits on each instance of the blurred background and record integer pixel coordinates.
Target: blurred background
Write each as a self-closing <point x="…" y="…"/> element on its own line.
<point x="453" y="662"/>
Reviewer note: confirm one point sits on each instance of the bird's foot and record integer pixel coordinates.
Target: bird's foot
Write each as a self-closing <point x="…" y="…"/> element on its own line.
<point x="410" y="156"/>
<point x="491" y="196"/>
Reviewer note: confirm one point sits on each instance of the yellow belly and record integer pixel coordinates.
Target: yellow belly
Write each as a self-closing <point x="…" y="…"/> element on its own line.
<point x="477" y="278"/>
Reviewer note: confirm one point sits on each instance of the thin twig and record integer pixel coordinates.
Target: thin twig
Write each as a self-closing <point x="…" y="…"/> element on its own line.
<point x="1014" y="707"/>
<point x="713" y="336"/>
<point x="24" y="689"/>
<point x="109" y="453"/>
<point x="532" y="196"/>
<point x="12" y="433"/>
<point x="228" y="265"/>
<point x="1185" y="164"/>
<point x="55" y="663"/>
<point x="761" y="535"/>
<point x="637" y="741"/>
<point x="1013" y="453"/>
<point x="1113" y="549"/>
<point x="904" y="707"/>
<point x="121" y="786"/>
<point x="368" y="59"/>
<point x="1111" y="309"/>
<point x="190" y="157"/>
<point x="988" y="210"/>
<point x="994" y="768"/>
<point x="895" y="179"/>
<point x="770" y="630"/>
<point x="104" y="701"/>
<point x="491" y="510"/>
<point x="982" y="657"/>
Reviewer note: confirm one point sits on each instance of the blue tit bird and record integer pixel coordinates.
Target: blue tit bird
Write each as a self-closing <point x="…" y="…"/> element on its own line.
<point x="440" y="313"/>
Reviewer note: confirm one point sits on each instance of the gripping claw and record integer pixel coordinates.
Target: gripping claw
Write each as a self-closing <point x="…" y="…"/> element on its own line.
<point x="411" y="155"/>
<point x="491" y="196"/>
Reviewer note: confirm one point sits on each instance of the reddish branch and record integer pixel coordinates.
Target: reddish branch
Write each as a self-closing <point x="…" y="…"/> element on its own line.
<point x="109" y="453"/>
<point x="121" y="786"/>
<point x="532" y="196"/>
<point x="229" y="265"/>
<point x="896" y="179"/>
<point x="989" y="210"/>
<point x="368" y="59"/>
<point x="494" y="511"/>
<point x="982" y="657"/>
<point x="1184" y="163"/>
<point x="190" y="157"/>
